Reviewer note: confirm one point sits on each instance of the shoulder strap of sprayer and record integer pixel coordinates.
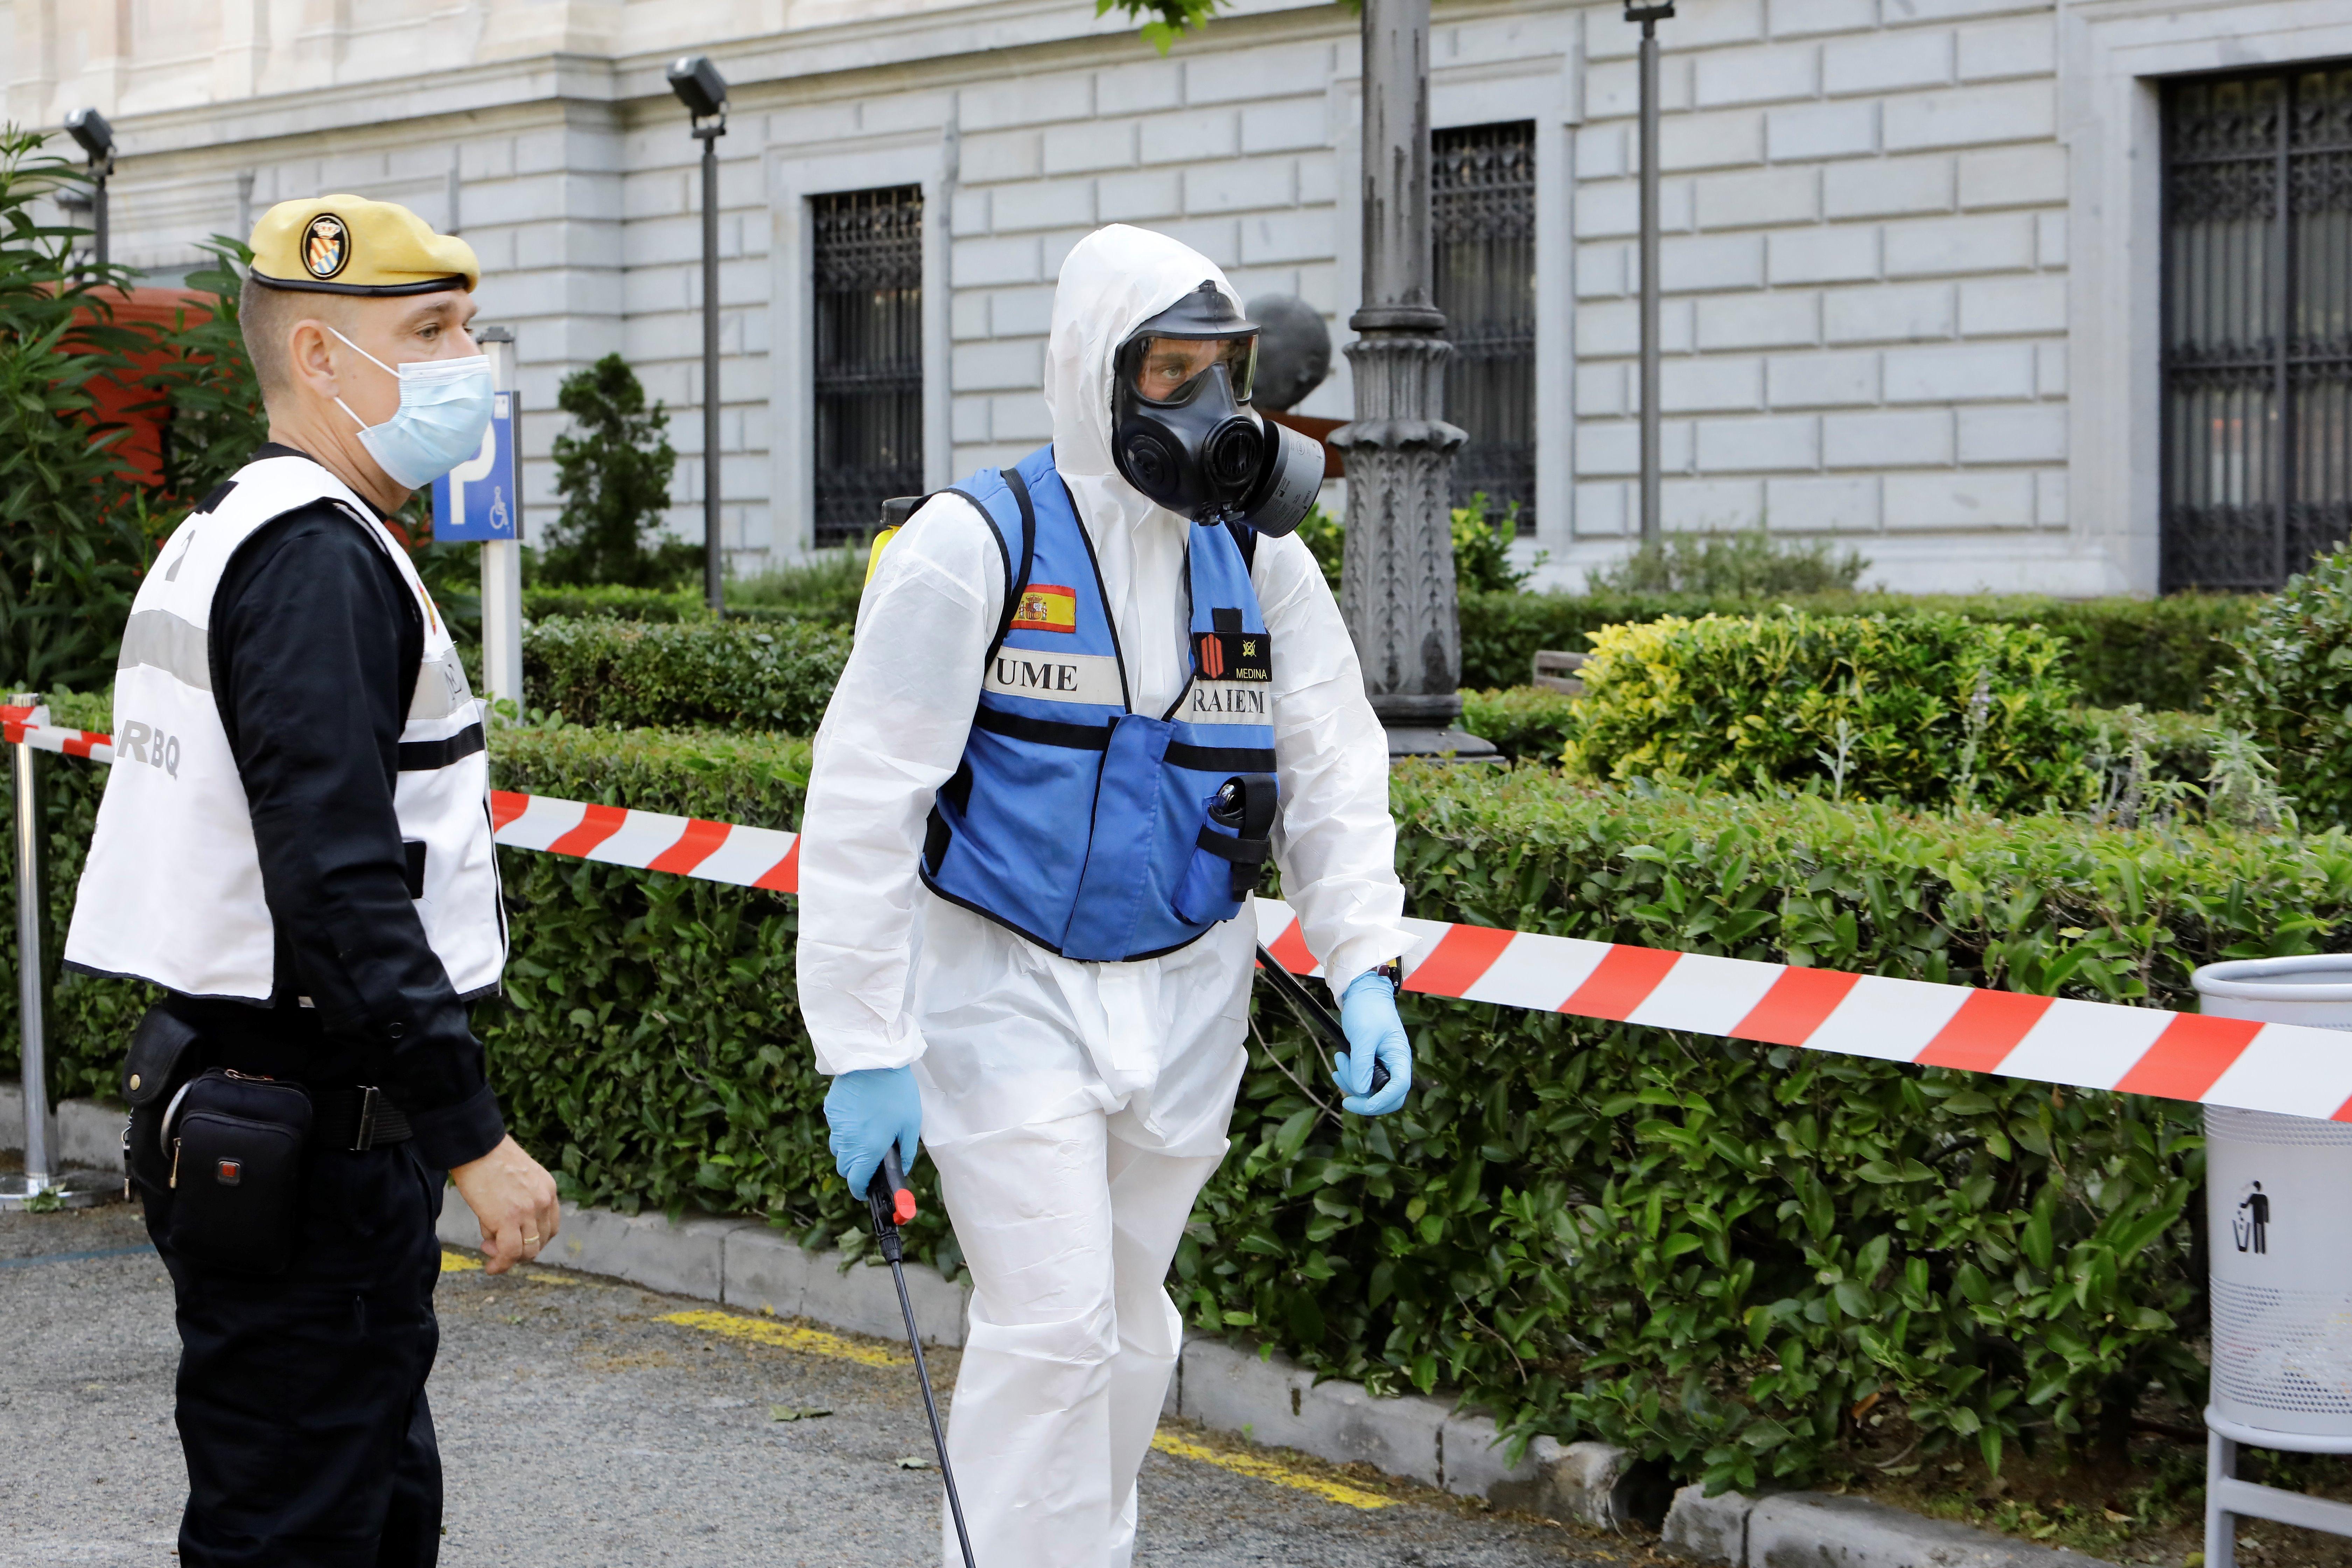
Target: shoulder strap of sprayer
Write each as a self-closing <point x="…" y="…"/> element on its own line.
<point x="1245" y="539"/>
<point x="1017" y="583"/>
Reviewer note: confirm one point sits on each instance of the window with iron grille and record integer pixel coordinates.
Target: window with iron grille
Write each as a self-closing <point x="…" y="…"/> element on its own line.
<point x="868" y="290"/>
<point x="1482" y="223"/>
<point x="2257" y="325"/>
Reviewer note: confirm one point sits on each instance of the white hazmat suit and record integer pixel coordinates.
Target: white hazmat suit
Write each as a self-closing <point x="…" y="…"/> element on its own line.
<point x="1074" y="1110"/>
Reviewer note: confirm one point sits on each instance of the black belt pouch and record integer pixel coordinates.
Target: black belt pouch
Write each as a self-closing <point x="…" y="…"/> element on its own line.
<point x="236" y="1147"/>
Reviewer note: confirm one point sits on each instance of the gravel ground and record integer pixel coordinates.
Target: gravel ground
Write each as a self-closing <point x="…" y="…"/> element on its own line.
<point x="577" y="1429"/>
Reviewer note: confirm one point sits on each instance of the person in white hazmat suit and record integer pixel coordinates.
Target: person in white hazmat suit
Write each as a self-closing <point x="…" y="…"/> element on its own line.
<point x="1033" y="817"/>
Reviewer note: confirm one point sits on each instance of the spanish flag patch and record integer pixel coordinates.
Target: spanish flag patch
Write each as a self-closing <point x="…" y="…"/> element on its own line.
<point x="1045" y="607"/>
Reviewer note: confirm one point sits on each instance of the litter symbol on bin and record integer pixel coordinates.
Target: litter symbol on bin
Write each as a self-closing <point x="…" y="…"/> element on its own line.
<point x="2252" y="1226"/>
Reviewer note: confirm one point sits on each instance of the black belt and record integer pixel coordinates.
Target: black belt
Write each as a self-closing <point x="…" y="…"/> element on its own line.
<point x="358" y="1119"/>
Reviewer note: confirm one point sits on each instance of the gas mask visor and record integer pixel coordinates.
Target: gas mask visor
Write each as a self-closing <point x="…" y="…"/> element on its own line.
<point x="1183" y="431"/>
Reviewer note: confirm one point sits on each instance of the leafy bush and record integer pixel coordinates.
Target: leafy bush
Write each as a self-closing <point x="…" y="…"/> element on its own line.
<point x="1706" y="1250"/>
<point x="206" y="386"/>
<point x="612" y="602"/>
<point x="73" y="536"/>
<point x="1481" y="560"/>
<point x="1920" y="709"/>
<point x="1711" y="1252"/>
<point x="2158" y="653"/>
<point x="1482" y="550"/>
<point x="1747" y="563"/>
<point x="736" y="674"/>
<point x="825" y="587"/>
<point x="1529" y="722"/>
<point x="614" y="477"/>
<point x="2288" y="682"/>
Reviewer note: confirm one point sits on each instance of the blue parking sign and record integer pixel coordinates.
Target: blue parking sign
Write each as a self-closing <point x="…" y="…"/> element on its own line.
<point x="476" y="501"/>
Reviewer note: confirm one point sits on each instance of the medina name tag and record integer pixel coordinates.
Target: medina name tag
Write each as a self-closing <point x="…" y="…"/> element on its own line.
<point x="1235" y="655"/>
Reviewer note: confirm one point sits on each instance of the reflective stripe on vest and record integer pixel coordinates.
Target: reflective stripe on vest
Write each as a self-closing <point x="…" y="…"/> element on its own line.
<point x="171" y="890"/>
<point x="1074" y="820"/>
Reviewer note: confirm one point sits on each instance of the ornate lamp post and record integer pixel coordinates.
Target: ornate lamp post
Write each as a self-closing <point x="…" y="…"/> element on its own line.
<point x="1396" y="586"/>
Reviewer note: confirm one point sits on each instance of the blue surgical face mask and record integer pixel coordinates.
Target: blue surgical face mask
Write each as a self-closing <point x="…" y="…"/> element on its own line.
<point x="445" y="407"/>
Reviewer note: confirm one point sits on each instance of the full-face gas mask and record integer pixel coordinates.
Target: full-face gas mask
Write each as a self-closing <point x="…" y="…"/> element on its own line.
<point x="1183" y="431"/>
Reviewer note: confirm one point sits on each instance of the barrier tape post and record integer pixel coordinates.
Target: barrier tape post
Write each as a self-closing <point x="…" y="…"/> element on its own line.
<point x="41" y="1186"/>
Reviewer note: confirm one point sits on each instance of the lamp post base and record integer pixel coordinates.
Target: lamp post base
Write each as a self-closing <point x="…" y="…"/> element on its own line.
<point x="63" y="1190"/>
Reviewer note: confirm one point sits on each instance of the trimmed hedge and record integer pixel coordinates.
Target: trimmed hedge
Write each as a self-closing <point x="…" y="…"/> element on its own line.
<point x="735" y="673"/>
<point x="2159" y="653"/>
<point x="1525" y="722"/>
<point x="1927" y="710"/>
<point x="1706" y="1250"/>
<point x="605" y="601"/>
<point x="2288" y="682"/>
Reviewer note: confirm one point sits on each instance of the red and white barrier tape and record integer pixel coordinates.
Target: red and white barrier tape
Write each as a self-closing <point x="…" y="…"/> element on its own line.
<point x="2289" y="1069"/>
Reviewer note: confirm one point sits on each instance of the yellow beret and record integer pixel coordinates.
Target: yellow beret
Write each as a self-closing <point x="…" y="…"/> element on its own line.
<point x="350" y="245"/>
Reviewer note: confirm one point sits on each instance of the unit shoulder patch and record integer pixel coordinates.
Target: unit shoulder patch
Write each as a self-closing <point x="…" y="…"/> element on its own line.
<point x="1235" y="655"/>
<point x="1047" y="607"/>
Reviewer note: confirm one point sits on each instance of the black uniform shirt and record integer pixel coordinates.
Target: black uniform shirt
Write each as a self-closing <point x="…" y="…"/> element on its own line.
<point x="316" y="639"/>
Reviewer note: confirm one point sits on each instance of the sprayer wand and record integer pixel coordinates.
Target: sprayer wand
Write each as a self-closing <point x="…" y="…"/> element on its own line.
<point x="1313" y="1014"/>
<point x="892" y="1203"/>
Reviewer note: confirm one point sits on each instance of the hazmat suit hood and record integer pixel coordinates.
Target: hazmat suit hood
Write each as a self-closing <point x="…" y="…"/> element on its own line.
<point x="1116" y="279"/>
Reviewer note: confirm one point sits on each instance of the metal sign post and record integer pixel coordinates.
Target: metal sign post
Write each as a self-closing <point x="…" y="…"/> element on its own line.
<point x="41" y="1186"/>
<point x="481" y="500"/>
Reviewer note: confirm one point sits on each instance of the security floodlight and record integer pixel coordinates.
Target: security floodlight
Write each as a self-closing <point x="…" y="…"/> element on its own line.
<point x="699" y="86"/>
<point x="89" y="128"/>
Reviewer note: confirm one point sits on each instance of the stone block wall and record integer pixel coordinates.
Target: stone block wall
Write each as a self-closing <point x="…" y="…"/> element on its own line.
<point x="1864" y="270"/>
<point x="1865" y="213"/>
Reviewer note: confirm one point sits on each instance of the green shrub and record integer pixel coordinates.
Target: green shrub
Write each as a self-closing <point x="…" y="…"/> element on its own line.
<point x="1482" y="550"/>
<point x="1524" y="721"/>
<point x="1922" y="709"/>
<point x="612" y="471"/>
<point x="825" y="588"/>
<point x="74" y="534"/>
<point x="2158" y="653"/>
<point x="733" y="673"/>
<point x="2288" y="682"/>
<point x="1747" y="563"/>
<point x="206" y="383"/>
<point x="1482" y="546"/>
<point x="609" y="601"/>
<point x="1702" y="1249"/>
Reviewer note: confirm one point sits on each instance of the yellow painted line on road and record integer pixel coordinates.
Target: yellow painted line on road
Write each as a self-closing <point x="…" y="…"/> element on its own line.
<point x="457" y="1262"/>
<point x="1273" y="1470"/>
<point x="786" y="1336"/>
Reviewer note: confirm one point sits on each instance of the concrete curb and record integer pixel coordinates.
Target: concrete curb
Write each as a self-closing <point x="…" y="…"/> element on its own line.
<point x="1812" y="1530"/>
<point x="83" y="1134"/>
<point x="748" y="1265"/>
<point x="1221" y="1385"/>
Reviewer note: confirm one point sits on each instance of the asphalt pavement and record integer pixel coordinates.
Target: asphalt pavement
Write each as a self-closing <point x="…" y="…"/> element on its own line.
<point x="584" y="1422"/>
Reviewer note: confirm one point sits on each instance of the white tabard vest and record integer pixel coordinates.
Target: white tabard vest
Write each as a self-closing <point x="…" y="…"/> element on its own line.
<point x="172" y="891"/>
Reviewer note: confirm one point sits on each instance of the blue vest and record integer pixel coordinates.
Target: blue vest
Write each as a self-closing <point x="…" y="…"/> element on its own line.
<point x="1074" y="820"/>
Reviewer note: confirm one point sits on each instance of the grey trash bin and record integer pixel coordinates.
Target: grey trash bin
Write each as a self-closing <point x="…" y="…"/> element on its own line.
<point x="2279" y="1234"/>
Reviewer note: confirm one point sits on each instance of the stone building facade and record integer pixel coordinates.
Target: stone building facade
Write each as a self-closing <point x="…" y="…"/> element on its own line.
<point x="1915" y="255"/>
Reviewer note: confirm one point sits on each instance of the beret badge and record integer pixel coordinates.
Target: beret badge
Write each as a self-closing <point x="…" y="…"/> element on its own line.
<point x="326" y="245"/>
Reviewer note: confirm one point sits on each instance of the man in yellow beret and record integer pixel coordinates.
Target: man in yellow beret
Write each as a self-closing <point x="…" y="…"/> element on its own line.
<point x="296" y="847"/>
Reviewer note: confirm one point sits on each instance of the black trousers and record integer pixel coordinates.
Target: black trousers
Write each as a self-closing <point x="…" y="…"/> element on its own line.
<point x="302" y="1395"/>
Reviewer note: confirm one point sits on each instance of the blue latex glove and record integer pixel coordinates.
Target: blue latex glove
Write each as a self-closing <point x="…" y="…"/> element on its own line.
<point x="869" y="1110"/>
<point x="1368" y="1012"/>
